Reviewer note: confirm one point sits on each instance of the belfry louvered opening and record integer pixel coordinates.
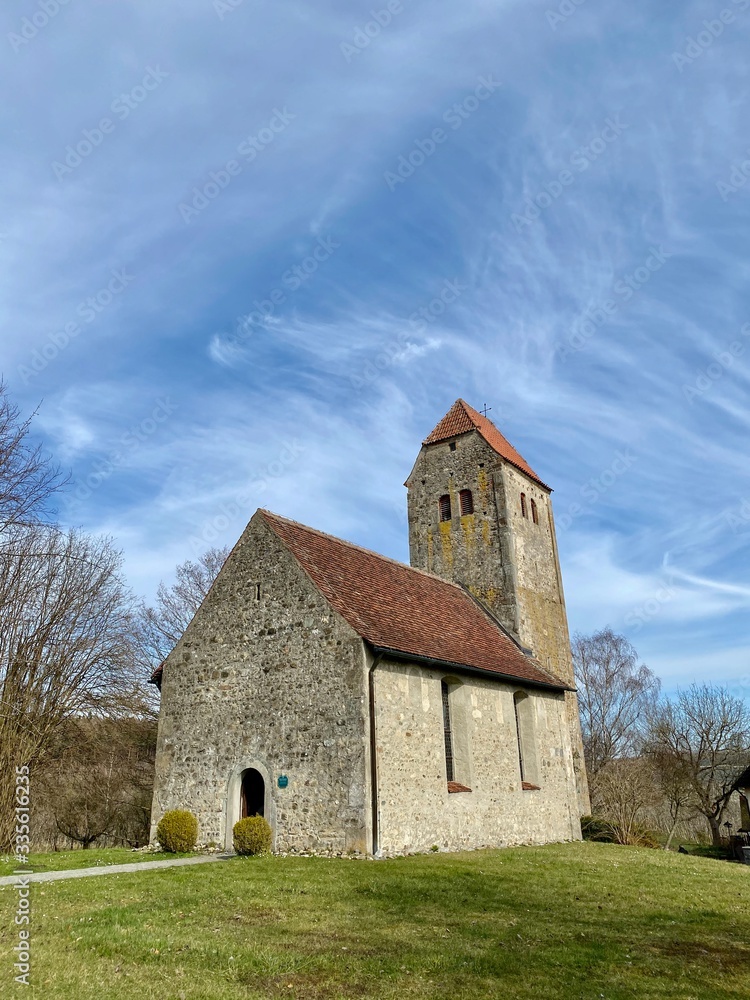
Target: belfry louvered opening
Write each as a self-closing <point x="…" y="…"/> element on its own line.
<point x="467" y="502"/>
<point x="445" y="507"/>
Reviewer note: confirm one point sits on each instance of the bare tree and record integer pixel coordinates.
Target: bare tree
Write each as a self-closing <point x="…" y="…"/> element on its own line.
<point x="99" y="781"/>
<point x="175" y="606"/>
<point x="700" y="743"/>
<point x="86" y="811"/>
<point x="625" y="792"/>
<point x="614" y="691"/>
<point x="96" y="782"/>
<point x="671" y="780"/>
<point x="68" y="640"/>
<point x="27" y="477"/>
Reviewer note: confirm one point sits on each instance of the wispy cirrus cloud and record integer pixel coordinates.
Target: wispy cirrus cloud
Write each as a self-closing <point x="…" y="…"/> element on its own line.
<point x="313" y="401"/>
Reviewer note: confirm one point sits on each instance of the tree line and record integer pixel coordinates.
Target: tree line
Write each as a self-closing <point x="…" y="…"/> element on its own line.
<point x="76" y="649"/>
<point x="667" y="761"/>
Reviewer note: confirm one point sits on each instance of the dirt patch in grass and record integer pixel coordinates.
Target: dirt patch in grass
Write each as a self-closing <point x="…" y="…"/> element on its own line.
<point x="306" y="986"/>
<point x="727" y="956"/>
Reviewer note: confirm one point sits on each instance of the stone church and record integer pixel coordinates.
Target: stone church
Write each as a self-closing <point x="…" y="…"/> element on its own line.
<point x="364" y="705"/>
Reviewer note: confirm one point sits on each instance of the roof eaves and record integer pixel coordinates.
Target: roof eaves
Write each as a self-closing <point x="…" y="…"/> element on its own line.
<point x="466" y="668"/>
<point x="535" y="478"/>
<point x="156" y="676"/>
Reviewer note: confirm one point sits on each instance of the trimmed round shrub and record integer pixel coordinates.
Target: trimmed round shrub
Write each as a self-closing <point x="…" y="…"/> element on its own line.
<point x="252" y="835"/>
<point x="177" y="831"/>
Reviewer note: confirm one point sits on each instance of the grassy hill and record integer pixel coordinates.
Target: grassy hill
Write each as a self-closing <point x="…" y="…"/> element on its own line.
<point x="560" y="923"/>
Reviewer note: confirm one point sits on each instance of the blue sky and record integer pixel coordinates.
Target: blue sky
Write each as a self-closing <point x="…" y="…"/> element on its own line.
<point x="220" y="221"/>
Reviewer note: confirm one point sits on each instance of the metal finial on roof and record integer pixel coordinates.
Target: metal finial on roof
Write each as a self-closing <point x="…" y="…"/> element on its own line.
<point x="485" y="410"/>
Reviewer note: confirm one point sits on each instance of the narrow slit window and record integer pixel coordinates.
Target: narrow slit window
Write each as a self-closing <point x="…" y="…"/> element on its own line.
<point x="447" y="733"/>
<point x="534" y="512"/>
<point x="445" y="507"/>
<point x="257" y="591"/>
<point x="452" y="446"/>
<point x="519" y="735"/>
<point x="467" y="502"/>
<point x="528" y="761"/>
<point x="524" y="509"/>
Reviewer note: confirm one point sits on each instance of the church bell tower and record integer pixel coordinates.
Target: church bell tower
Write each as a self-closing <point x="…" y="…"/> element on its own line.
<point x="479" y="515"/>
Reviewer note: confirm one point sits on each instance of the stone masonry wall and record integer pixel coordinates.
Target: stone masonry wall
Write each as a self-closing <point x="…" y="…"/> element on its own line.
<point x="507" y="560"/>
<point x="278" y="683"/>
<point x="542" y="617"/>
<point x="475" y="549"/>
<point x="416" y="811"/>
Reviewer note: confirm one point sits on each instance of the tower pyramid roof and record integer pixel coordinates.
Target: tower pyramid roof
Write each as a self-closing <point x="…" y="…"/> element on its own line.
<point x="462" y="418"/>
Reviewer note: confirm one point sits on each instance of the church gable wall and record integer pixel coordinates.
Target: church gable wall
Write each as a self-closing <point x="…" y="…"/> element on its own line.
<point x="416" y="810"/>
<point x="276" y="682"/>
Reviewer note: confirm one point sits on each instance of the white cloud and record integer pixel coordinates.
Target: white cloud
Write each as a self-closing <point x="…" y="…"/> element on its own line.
<point x="338" y="367"/>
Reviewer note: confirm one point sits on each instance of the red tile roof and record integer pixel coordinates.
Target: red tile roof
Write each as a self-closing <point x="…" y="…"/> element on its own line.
<point x="462" y="418"/>
<point x="395" y="607"/>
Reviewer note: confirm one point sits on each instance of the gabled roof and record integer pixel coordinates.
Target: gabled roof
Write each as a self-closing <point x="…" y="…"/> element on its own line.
<point x="462" y="418"/>
<point x="404" y="610"/>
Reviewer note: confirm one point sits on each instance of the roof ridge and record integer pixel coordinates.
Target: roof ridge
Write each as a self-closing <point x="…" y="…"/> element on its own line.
<point x="361" y="548"/>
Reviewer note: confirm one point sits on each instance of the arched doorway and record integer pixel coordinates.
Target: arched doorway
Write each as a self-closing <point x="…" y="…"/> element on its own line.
<point x="252" y="793"/>
<point x="249" y="785"/>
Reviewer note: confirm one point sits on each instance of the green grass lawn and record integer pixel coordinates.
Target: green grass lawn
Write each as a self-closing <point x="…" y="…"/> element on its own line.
<point x="55" y="861"/>
<point x="563" y="922"/>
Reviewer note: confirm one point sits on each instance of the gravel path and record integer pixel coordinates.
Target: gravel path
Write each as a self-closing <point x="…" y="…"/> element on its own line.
<point x="137" y="866"/>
